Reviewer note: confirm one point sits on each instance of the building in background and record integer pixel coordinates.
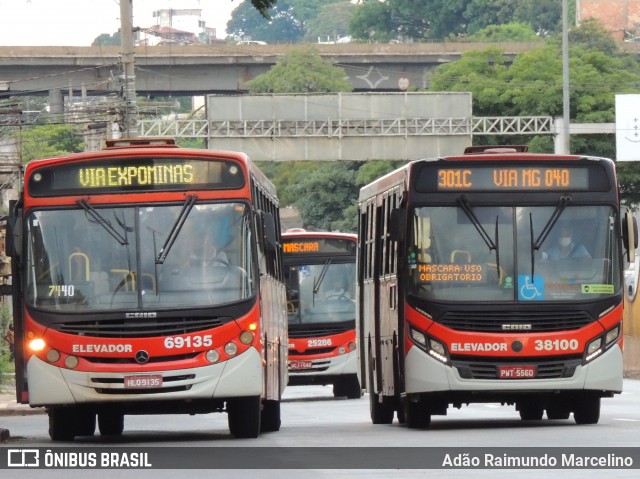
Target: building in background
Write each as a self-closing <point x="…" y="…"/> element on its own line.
<point x="177" y="26"/>
<point x="620" y="17"/>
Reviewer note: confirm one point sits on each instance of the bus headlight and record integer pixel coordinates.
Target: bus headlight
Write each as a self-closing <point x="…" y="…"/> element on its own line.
<point x="612" y="335"/>
<point x="594" y="349"/>
<point x="598" y="345"/>
<point x="246" y="337"/>
<point x="37" y="344"/>
<point x="231" y="348"/>
<point x="432" y="347"/>
<point x="212" y="356"/>
<point x="71" y="362"/>
<point x="419" y="338"/>
<point x="53" y="356"/>
<point x="438" y="351"/>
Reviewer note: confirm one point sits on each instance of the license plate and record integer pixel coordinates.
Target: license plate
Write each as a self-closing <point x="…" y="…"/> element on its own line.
<point x="143" y="382"/>
<point x="517" y="372"/>
<point x="295" y="365"/>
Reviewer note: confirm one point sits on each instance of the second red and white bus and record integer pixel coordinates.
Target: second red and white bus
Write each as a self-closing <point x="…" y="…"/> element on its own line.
<point x="320" y="274"/>
<point x="463" y="298"/>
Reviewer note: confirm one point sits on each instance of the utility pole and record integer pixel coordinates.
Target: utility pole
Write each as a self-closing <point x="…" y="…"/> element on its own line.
<point x="129" y="116"/>
<point x="566" y="111"/>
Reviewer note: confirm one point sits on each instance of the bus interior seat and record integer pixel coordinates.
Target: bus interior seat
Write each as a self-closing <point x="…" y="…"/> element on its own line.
<point x="460" y="256"/>
<point x="79" y="266"/>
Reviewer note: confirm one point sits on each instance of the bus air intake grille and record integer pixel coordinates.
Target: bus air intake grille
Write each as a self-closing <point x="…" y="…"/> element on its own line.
<point x="314" y="333"/>
<point x="131" y="360"/>
<point x="138" y="328"/>
<point x="311" y="352"/>
<point x="522" y="322"/>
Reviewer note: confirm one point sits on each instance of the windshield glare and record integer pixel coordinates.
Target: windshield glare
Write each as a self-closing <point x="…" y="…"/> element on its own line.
<point x="321" y="293"/>
<point x="488" y="254"/>
<point x="75" y="263"/>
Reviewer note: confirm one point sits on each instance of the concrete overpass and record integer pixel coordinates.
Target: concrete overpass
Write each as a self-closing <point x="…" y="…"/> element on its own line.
<point x="202" y="69"/>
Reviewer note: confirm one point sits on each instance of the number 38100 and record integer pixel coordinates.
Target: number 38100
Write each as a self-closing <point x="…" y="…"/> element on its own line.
<point x="557" y="345"/>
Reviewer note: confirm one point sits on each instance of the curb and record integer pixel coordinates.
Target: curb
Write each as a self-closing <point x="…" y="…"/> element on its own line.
<point x="22" y="411"/>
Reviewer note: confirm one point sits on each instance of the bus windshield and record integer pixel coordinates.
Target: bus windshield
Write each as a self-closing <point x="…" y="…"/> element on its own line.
<point x="321" y="293"/>
<point x="106" y="258"/>
<point x="502" y="253"/>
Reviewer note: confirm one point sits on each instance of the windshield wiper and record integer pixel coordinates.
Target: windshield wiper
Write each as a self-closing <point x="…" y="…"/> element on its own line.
<point x="464" y="205"/>
<point x="175" y="230"/>
<point x="102" y="221"/>
<point x="316" y="286"/>
<point x="553" y="219"/>
<point x="555" y="216"/>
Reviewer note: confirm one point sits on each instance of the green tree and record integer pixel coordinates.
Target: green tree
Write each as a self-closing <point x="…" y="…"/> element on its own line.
<point x="280" y="25"/>
<point x="301" y="71"/>
<point x="372" y="21"/>
<point x="532" y="85"/>
<point x="105" y="39"/>
<point x="331" y="21"/>
<point x="263" y="6"/>
<point x="442" y="19"/>
<point x="370" y="170"/>
<point x="479" y="72"/>
<point x="324" y="194"/>
<point x="285" y="176"/>
<point x="46" y="141"/>
<point x="544" y="16"/>
<point x="509" y="32"/>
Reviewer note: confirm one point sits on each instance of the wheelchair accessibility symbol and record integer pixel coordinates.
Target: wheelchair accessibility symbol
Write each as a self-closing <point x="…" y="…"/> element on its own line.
<point x="530" y="289"/>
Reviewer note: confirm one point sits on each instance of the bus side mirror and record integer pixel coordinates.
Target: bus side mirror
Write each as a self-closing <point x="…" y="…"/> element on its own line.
<point x="630" y="236"/>
<point x="397" y="224"/>
<point x="269" y="237"/>
<point x="13" y="241"/>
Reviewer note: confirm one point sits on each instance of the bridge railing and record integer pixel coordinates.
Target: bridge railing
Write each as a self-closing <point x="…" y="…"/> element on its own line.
<point x="195" y="128"/>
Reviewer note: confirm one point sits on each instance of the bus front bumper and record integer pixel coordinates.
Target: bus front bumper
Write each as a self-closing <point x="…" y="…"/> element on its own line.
<point x="424" y="374"/>
<point x="238" y="377"/>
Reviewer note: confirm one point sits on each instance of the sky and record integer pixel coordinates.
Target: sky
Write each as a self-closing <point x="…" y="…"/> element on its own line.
<point x="79" y="22"/>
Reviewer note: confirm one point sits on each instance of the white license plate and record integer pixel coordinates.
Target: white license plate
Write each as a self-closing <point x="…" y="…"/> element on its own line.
<point x="143" y="382"/>
<point x="295" y="365"/>
<point x="517" y="372"/>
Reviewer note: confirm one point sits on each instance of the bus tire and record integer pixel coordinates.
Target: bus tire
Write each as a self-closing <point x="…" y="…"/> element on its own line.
<point x="85" y="423"/>
<point x="270" y="420"/>
<point x="416" y="415"/>
<point x="530" y="411"/>
<point x="558" y="410"/>
<point x="352" y="386"/>
<point x="586" y="410"/>
<point x="348" y="386"/>
<point x="381" y="412"/>
<point x="111" y="423"/>
<point x="62" y="425"/>
<point x="243" y="415"/>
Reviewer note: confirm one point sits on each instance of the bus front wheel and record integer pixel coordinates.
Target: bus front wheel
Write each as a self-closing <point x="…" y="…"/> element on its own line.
<point x="244" y="416"/>
<point x="586" y="410"/>
<point x="111" y="423"/>
<point x="416" y="415"/>
<point x="348" y="386"/>
<point x="62" y="423"/>
<point x="270" y="420"/>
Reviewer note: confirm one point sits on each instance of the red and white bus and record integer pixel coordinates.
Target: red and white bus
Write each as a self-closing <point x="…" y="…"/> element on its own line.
<point x="147" y="279"/>
<point x="463" y="300"/>
<point x="320" y="274"/>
